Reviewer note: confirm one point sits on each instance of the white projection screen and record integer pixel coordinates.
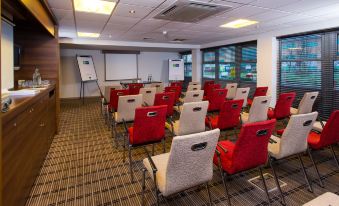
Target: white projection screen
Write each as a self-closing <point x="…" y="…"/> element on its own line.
<point x="121" y="66"/>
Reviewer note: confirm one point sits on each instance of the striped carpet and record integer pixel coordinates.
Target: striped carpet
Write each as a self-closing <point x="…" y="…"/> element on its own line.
<point x="83" y="167"/>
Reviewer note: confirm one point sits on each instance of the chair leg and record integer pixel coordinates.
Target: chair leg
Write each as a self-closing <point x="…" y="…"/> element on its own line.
<point x="265" y="186"/>
<point x="152" y="149"/>
<point x="277" y="182"/>
<point x="305" y="174"/>
<point x="163" y="145"/>
<point x="209" y="194"/>
<point x="156" y="188"/>
<point x="115" y="134"/>
<point x="315" y="167"/>
<point x="334" y="155"/>
<point x="143" y="187"/>
<point x="130" y="162"/>
<point x="224" y="181"/>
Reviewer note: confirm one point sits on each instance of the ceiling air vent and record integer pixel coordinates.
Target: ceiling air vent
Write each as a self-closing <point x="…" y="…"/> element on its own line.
<point x="190" y="11"/>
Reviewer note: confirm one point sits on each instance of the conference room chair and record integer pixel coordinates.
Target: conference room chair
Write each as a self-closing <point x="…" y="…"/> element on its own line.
<point x="148" y="95"/>
<point x="228" y="117"/>
<point x="306" y="103"/>
<point x="232" y="90"/>
<point x="242" y="93"/>
<point x="327" y="138"/>
<point x="193" y="87"/>
<point x="113" y="103"/>
<point x="191" y="120"/>
<point x="177" y="84"/>
<point x="126" y="111"/>
<point x="191" y="96"/>
<point x="171" y="173"/>
<point x="250" y="151"/>
<point x="258" y="111"/>
<point x="259" y="91"/>
<point x="159" y="86"/>
<point x="106" y="99"/>
<point x="216" y="99"/>
<point x="176" y="90"/>
<point x="194" y="83"/>
<point x="206" y="83"/>
<point x="282" y="108"/>
<point x="134" y="88"/>
<point x="293" y="142"/>
<point x="209" y="89"/>
<point x="165" y="98"/>
<point x="148" y="129"/>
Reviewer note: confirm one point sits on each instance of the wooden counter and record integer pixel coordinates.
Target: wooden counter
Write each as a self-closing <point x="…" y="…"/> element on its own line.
<point x="28" y="129"/>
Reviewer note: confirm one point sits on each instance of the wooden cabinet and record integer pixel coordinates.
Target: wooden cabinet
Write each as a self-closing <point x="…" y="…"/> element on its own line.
<point x="28" y="130"/>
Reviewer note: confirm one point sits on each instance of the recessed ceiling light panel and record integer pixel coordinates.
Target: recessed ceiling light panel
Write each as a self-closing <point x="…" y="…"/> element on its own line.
<point x="239" y="23"/>
<point x="90" y="35"/>
<point x="94" y="6"/>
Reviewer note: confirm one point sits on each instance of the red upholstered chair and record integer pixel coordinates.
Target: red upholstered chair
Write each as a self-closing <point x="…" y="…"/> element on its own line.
<point x="114" y="98"/>
<point x="259" y="91"/>
<point x="249" y="152"/>
<point x="176" y="90"/>
<point x="148" y="128"/>
<point x="206" y="83"/>
<point x="134" y="88"/>
<point x="216" y="99"/>
<point x="282" y="107"/>
<point x="209" y="90"/>
<point x="177" y="84"/>
<point x="229" y="116"/>
<point x="166" y="98"/>
<point x="328" y="137"/>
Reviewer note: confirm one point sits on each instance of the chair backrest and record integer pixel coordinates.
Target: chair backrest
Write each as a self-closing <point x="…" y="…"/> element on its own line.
<point x="148" y="95"/>
<point x="231" y="90"/>
<point x="229" y="116"/>
<point x="306" y="103"/>
<point x="251" y="148"/>
<point x="166" y="98"/>
<point x="216" y="99"/>
<point x="149" y="124"/>
<point x="114" y="97"/>
<point x="126" y="107"/>
<point x="190" y="161"/>
<point x="176" y="90"/>
<point x="107" y="91"/>
<point x="193" y="87"/>
<point x="209" y="90"/>
<point x="192" y="117"/>
<point x="134" y="88"/>
<point x="294" y="138"/>
<point x="177" y="84"/>
<point x="193" y="96"/>
<point x="206" y="83"/>
<point x="159" y="86"/>
<point x="283" y="106"/>
<point x="330" y="133"/>
<point x="242" y="93"/>
<point x="259" y="108"/>
<point x="260" y="91"/>
<point x="194" y="83"/>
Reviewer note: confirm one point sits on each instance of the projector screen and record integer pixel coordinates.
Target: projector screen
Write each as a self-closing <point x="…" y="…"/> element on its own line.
<point x="121" y="66"/>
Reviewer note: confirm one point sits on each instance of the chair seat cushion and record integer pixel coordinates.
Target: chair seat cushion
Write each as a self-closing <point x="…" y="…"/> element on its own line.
<point x="274" y="148"/>
<point x="161" y="162"/>
<point x="280" y="131"/>
<point x="214" y="121"/>
<point x="314" y="140"/>
<point x="226" y="158"/>
<point x="270" y="113"/>
<point x="317" y="126"/>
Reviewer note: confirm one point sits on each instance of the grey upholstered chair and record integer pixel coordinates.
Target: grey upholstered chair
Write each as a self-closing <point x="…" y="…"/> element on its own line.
<point x="231" y="90"/>
<point x="148" y="95"/>
<point x="306" y="103"/>
<point x="191" y="120"/>
<point x="292" y="142"/>
<point x="106" y="98"/>
<point x="193" y="87"/>
<point x="188" y="164"/>
<point x="194" y="83"/>
<point x="191" y="96"/>
<point x="258" y="110"/>
<point x="242" y="93"/>
<point x="159" y="86"/>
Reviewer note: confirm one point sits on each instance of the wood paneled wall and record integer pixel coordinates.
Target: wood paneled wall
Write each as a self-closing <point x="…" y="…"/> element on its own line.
<point x="39" y="49"/>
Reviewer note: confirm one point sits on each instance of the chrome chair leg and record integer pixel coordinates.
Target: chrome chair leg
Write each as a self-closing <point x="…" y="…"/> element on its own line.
<point x="130" y="163"/>
<point x="277" y="182"/>
<point x="163" y="145"/>
<point x="152" y="149"/>
<point x="143" y="187"/>
<point x="209" y="194"/>
<point x="265" y="186"/>
<point x="305" y="174"/>
<point x="223" y="177"/>
<point x="334" y="155"/>
<point x="315" y="167"/>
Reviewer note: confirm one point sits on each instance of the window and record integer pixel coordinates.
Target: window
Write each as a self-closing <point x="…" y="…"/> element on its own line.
<point x="338" y="44"/>
<point x="227" y="67"/>
<point x="208" y="67"/>
<point x="248" y="65"/>
<point x="187" y="65"/>
<point x="336" y="75"/>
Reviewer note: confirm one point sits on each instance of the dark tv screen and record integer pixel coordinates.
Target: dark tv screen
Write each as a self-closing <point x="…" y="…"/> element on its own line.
<point x="17" y="51"/>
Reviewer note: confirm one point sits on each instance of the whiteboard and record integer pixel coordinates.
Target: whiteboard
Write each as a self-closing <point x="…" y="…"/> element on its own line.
<point x="86" y="67"/>
<point x="121" y="66"/>
<point x="176" y="69"/>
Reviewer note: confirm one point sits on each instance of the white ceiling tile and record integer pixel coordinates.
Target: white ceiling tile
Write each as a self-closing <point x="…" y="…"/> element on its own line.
<point x="60" y="4"/>
<point x="243" y="12"/>
<point x="149" y="25"/>
<point x="273" y="3"/>
<point x="90" y="26"/>
<point x="123" y="10"/>
<point x="116" y="27"/>
<point x="144" y="3"/>
<point x="306" y="5"/>
<point x="269" y="15"/>
<point x="123" y="20"/>
<point x="61" y="14"/>
<point x="93" y="17"/>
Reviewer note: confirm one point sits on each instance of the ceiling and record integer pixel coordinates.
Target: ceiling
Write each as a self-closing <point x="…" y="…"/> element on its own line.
<point x="124" y="26"/>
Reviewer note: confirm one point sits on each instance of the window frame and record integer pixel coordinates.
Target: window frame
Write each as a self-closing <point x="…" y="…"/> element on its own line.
<point x="209" y="62"/>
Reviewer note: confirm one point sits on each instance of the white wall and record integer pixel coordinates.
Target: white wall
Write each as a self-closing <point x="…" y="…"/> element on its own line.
<point x="155" y="63"/>
<point x="7" y="59"/>
<point x="196" y="65"/>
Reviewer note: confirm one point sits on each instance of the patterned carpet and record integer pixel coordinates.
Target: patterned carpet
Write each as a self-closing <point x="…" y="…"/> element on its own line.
<point x="83" y="167"/>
